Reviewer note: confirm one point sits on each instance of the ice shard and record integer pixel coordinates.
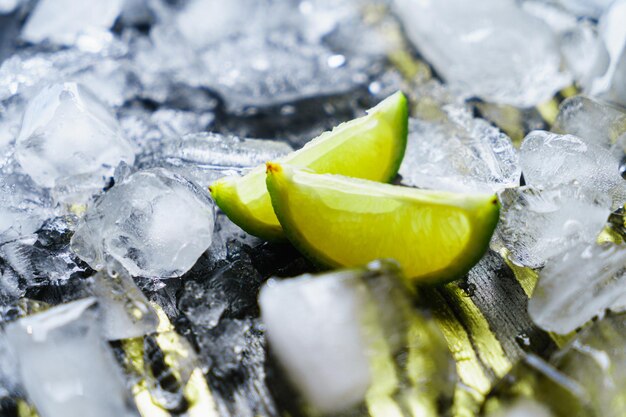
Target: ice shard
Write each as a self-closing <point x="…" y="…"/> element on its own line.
<point x="578" y="284"/>
<point x="125" y="310"/>
<point x="65" y="365"/>
<point x="68" y="135"/>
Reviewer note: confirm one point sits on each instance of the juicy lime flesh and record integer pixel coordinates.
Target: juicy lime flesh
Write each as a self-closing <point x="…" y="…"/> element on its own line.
<point x="341" y="221"/>
<point x="370" y="147"/>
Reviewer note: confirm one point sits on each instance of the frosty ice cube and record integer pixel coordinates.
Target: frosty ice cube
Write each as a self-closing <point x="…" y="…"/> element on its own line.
<point x="536" y="224"/>
<point x="68" y="133"/>
<point x="580" y="283"/>
<point x="549" y="159"/>
<point x="490" y="49"/>
<point x="65" y="365"/>
<point x="459" y="153"/>
<point x="334" y="333"/>
<point x="155" y="223"/>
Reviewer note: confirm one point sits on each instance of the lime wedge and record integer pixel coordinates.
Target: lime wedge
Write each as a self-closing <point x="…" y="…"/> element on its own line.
<point x="370" y="147"/>
<point x="339" y="221"/>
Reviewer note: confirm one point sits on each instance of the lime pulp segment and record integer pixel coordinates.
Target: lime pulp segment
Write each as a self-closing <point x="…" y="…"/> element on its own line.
<point x="339" y="221"/>
<point x="370" y="147"/>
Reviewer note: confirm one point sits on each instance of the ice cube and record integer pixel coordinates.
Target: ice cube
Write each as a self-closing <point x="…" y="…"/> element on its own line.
<point x="326" y="331"/>
<point x="205" y="157"/>
<point x="536" y="224"/>
<point x="260" y="54"/>
<point x="126" y="312"/>
<point x="63" y="21"/>
<point x="108" y="79"/>
<point x="550" y="160"/>
<point x="23" y="206"/>
<point x="459" y="153"/>
<point x="580" y="45"/>
<point x="263" y="72"/>
<point x="491" y="49"/>
<point x="67" y="133"/>
<point x="66" y="367"/>
<point x="578" y="284"/>
<point x="321" y="347"/>
<point x="595" y="360"/>
<point x="609" y="81"/>
<point x="26" y="73"/>
<point x="155" y="223"/>
<point x="596" y="122"/>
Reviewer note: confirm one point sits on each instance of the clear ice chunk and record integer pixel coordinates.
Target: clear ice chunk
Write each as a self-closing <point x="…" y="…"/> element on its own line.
<point x="596" y="122"/>
<point x="154" y="222"/>
<point x="595" y="360"/>
<point x="321" y="347"/>
<point x="581" y="48"/>
<point x="205" y="157"/>
<point x="26" y="73"/>
<point x="23" y="206"/>
<point x="65" y="366"/>
<point x="549" y="160"/>
<point x="261" y="53"/>
<point x="609" y="80"/>
<point x="109" y="80"/>
<point x="459" y="153"/>
<point x="491" y="49"/>
<point x="578" y="284"/>
<point x="262" y="72"/>
<point x="64" y="21"/>
<point x="536" y="224"/>
<point x="67" y="133"/>
<point x="126" y="312"/>
<point x="326" y="332"/>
